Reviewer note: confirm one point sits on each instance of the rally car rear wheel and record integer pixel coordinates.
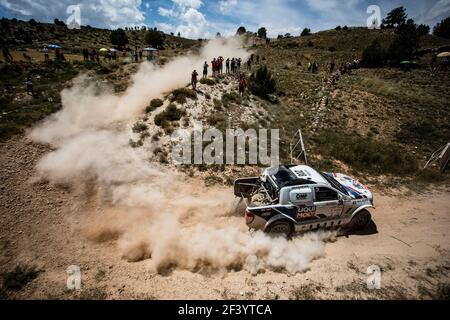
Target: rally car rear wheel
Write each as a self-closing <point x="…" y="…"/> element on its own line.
<point x="360" y="220"/>
<point x="280" y="228"/>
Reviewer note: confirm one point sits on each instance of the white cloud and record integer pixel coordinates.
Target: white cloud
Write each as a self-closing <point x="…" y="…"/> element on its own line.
<point x="195" y="24"/>
<point x="101" y="13"/>
<point x="289" y="16"/>
<point x="166" y="12"/>
<point x="15" y="7"/>
<point x="440" y="8"/>
<point x="277" y="16"/>
<point x="192" y="23"/>
<point x="226" y="6"/>
<point x="166" y="27"/>
<point x="195" y="4"/>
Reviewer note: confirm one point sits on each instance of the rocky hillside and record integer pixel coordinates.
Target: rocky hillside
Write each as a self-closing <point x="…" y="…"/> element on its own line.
<point x="386" y="117"/>
<point x="402" y="113"/>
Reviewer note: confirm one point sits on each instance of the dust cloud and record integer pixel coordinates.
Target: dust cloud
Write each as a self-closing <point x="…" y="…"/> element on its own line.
<point x="150" y="211"/>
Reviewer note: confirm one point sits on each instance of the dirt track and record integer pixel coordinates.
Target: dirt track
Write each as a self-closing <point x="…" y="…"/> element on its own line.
<point x="41" y="225"/>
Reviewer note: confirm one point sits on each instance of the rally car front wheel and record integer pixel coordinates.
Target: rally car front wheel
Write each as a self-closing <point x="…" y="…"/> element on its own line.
<point x="360" y="220"/>
<point x="280" y="228"/>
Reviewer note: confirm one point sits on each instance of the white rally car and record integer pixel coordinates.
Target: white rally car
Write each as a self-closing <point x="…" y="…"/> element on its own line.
<point x="292" y="198"/>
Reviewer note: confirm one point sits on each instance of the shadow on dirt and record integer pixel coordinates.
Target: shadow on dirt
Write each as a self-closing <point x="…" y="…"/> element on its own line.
<point x="370" y="229"/>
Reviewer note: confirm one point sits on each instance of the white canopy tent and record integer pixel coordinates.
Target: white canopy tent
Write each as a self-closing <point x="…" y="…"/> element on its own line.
<point x="151" y="53"/>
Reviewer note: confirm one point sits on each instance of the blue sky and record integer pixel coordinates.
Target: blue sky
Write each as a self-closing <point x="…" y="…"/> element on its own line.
<point x="204" y="18"/>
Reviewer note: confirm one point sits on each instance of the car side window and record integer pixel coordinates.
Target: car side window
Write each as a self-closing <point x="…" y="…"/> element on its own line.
<point x="325" y="194"/>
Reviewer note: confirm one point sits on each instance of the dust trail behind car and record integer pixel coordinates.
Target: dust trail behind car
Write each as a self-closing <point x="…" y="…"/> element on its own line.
<point x="149" y="210"/>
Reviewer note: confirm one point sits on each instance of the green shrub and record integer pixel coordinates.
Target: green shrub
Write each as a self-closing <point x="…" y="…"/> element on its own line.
<point x="154" y="38"/>
<point x="156" y="136"/>
<point x="366" y="154"/>
<point x="139" y="127"/>
<point x="118" y="37"/>
<point x="218" y="121"/>
<point x="162" y="61"/>
<point x="172" y="113"/>
<point x="442" y="29"/>
<point x="208" y="81"/>
<point x="180" y="95"/>
<point x="422" y="130"/>
<point x="103" y="70"/>
<point x="230" y="97"/>
<point x="217" y="104"/>
<point x="90" y="64"/>
<point x="374" y="55"/>
<point x="136" y="144"/>
<point x="261" y="82"/>
<point x="430" y="175"/>
<point x="144" y="135"/>
<point x="305" y="32"/>
<point x="405" y="43"/>
<point x="154" y="104"/>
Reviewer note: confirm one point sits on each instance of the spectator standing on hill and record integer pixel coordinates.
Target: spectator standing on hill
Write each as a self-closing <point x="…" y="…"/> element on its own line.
<point x="214" y="66"/>
<point x="205" y="70"/>
<point x="29" y="83"/>
<point x="124" y="52"/>
<point x="7" y="55"/>
<point x="57" y="54"/>
<point x="315" y="67"/>
<point x="309" y="66"/>
<point x="93" y="54"/>
<point x="220" y="65"/>
<point x="140" y="54"/>
<point x="242" y="84"/>
<point x="332" y="65"/>
<point x="239" y="64"/>
<point x="445" y="64"/>
<point x="85" y="54"/>
<point x="46" y="58"/>
<point x="249" y="64"/>
<point x="433" y="65"/>
<point x="257" y="59"/>
<point x="227" y="65"/>
<point x="194" y="80"/>
<point x="251" y="57"/>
